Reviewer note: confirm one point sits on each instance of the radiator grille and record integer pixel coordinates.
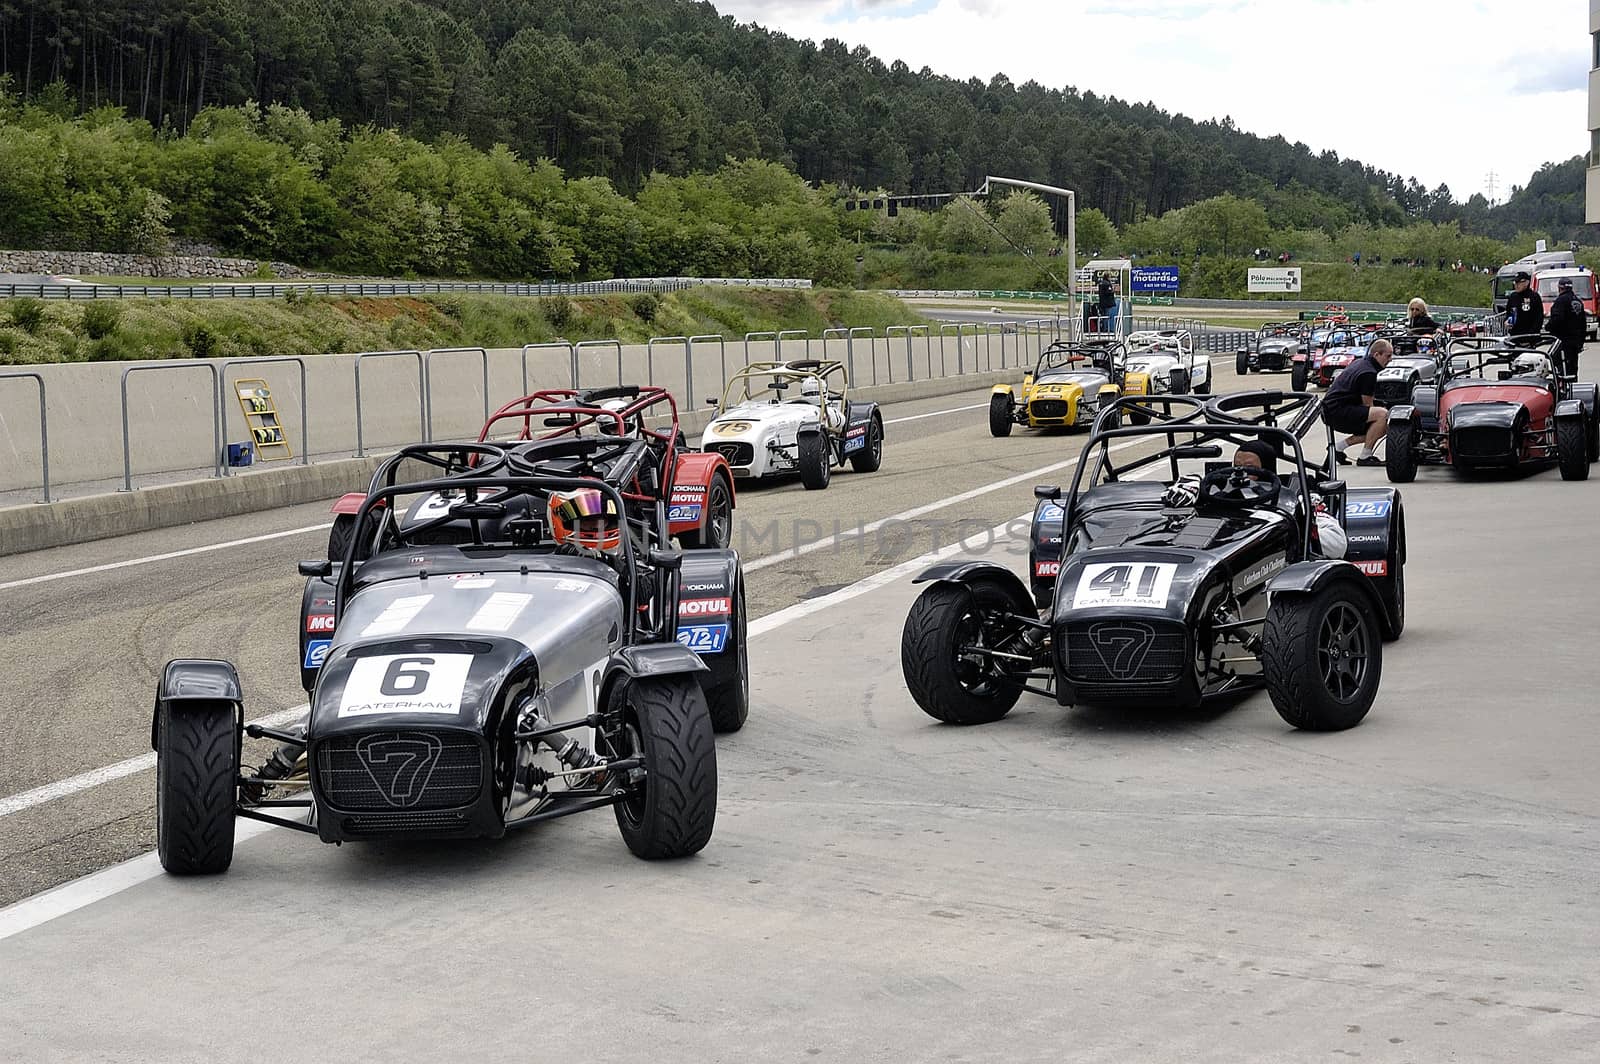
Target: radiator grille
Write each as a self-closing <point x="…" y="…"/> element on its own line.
<point x="1049" y="408"/>
<point x="1392" y="393"/>
<point x="400" y="770"/>
<point x="1118" y="653"/>
<point x="737" y="454"/>
<point x="1487" y="441"/>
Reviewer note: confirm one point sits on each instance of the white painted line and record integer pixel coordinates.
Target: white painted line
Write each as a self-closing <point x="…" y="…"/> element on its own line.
<point x="867" y="529"/>
<point x="16" y="803"/>
<point x="936" y="413"/>
<point x="48" y="577"/>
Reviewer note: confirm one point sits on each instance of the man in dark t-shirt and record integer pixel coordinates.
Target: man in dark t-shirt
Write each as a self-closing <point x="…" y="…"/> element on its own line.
<point x="1524" y="308"/>
<point x="1348" y="407"/>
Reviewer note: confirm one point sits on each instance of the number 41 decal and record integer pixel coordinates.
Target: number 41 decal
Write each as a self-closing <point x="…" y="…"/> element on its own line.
<point x="1140" y="585"/>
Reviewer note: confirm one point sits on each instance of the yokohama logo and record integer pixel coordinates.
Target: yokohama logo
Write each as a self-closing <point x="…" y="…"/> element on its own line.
<point x="712" y="607"/>
<point x="319" y="622"/>
<point x="1377" y="568"/>
<point x="1047" y="569"/>
<point x="682" y="495"/>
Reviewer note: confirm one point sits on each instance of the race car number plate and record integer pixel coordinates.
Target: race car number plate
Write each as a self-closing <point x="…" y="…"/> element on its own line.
<point x="406" y="683"/>
<point x="1137" y="585"/>
<point x="1367" y="509"/>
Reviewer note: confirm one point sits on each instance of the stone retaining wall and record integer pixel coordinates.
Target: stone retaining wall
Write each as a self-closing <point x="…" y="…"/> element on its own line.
<point x="101" y="263"/>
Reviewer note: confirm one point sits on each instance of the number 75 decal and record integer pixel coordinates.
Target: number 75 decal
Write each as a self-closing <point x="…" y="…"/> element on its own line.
<point x="1139" y="585"/>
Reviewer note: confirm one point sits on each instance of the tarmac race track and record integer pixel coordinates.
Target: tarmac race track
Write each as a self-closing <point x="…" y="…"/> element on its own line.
<point x="1062" y="885"/>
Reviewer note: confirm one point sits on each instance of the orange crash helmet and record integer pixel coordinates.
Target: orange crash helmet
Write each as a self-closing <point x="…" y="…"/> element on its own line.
<point x="585" y="518"/>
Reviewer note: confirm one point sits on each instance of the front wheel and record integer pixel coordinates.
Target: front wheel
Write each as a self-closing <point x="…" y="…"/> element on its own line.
<point x="946" y="677"/>
<point x="1322" y="656"/>
<point x="716" y="523"/>
<point x="1179" y="382"/>
<point x="1241" y="363"/>
<point x="727" y="685"/>
<point x="816" y="460"/>
<point x="1572" y="447"/>
<point x="1204" y="389"/>
<point x="1001" y="415"/>
<point x="1400" y="455"/>
<point x="197" y="773"/>
<point x="1297" y="377"/>
<point x="665" y="723"/>
<point x="870" y="457"/>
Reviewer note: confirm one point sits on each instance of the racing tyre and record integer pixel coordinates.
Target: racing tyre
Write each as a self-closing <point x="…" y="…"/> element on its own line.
<point x="1572" y="447"/>
<point x="1001" y="418"/>
<point x="1297" y="377"/>
<point x="197" y="772"/>
<point x="344" y="527"/>
<point x="1180" y="382"/>
<point x="1322" y="656"/>
<point x="716" y="524"/>
<point x="949" y="686"/>
<point x="1241" y="363"/>
<point x="666" y="724"/>
<point x="1138" y="417"/>
<point x="1594" y="438"/>
<point x="869" y="458"/>
<point x="727" y="685"/>
<point x="1400" y="454"/>
<point x="816" y="460"/>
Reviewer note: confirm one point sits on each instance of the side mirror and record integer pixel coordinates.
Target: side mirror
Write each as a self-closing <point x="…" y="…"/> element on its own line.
<point x="559" y="421"/>
<point x="1197" y="450"/>
<point x="316" y="568"/>
<point x="668" y="558"/>
<point x="1330" y="487"/>
<point x="1047" y="491"/>
<point x="711" y="402"/>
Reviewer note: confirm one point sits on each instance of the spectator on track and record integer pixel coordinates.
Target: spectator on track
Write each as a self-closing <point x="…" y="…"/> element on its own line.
<point x="1350" y="410"/>
<point x="1524" y="308"/>
<point x="1417" y="320"/>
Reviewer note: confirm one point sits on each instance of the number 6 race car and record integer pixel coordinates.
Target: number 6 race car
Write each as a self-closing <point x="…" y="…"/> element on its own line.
<point x="1069" y="384"/>
<point x="530" y="670"/>
<point x="1157" y="604"/>
<point x="761" y="431"/>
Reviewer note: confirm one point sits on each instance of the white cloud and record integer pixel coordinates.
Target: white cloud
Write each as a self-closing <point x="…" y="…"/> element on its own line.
<point x="1442" y="90"/>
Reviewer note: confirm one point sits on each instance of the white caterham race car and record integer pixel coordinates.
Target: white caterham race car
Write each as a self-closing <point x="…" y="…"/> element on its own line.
<point x="778" y="418"/>
<point x="1165" y="363"/>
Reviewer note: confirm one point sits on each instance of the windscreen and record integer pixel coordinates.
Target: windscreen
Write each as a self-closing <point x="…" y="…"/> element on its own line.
<point x="1582" y="286"/>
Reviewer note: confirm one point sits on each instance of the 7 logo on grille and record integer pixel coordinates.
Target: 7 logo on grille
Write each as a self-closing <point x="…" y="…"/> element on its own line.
<point x="1122" y="646"/>
<point x="399" y="764"/>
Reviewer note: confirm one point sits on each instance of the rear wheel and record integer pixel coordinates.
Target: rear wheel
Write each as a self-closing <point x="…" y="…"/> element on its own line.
<point x="1322" y="656"/>
<point x="665" y="723"/>
<point x="716" y="523"/>
<point x="1297" y="377"/>
<point x="950" y="682"/>
<point x="1241" y="363"/>
<point x="1180" y="382"/>
<point x="1400" y="454"/>
<point x="1204" y="389"/>
<point x="1572" y="447"/>
<point x="816" y="459"/>
<point x="870" y="457"/>
<point x="197" y="772"/>
<point x="1001" y="414"/>
<point x="727" y="685"/>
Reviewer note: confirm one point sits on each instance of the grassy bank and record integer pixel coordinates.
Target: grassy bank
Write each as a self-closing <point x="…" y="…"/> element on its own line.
<point x="35" y="331"/>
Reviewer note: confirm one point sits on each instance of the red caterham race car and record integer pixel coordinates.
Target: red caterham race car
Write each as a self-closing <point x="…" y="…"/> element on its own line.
<point x="1499" y="406"/>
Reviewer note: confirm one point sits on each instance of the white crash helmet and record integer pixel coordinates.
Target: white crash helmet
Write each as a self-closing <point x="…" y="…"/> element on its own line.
<point x="811" y="389"/>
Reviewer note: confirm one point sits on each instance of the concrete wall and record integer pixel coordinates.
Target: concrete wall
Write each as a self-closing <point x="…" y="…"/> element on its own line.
<point x="170" y="407"/>
<point x="106" y="264"/>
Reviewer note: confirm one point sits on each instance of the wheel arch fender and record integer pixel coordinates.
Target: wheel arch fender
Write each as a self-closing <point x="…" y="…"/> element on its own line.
<point x="1307" y="578"/>
<point x="1406" y="412"/>
<point x="195" y="682"/>
<point x="1002" y="389"/>
<point x="708" y="576"/>
<point x="965" y="573"/>
<point x="1571" y="410"/>
<point x="1587" y="393"/>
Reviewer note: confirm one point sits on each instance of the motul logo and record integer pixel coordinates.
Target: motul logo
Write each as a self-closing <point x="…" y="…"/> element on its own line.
<point x="1047" y="569"/>
<point x="319" y="622"/>
<point x="705" y="607"/>
<point x="1377" y="568"/>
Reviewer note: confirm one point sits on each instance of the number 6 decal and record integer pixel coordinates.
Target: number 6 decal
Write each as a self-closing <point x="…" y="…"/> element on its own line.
<point x="405" y="683"/>
<point x="1137" y="585"/>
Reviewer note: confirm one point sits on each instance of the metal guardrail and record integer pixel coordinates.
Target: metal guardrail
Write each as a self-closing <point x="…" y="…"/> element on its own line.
<point x="256" y="290"/>
<point x="216" y="417"/>
<point x="44" y="427"/>
<point x="908" y="331"/>
<point x="588" y="345"/>
<point x="422" y="394"/>
<point x="427" y="377"/>
<point x="565" y="345"/>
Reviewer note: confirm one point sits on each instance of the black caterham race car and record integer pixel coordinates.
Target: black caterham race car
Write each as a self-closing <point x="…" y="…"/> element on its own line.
<point x="1153" y="603"/>
<point x="517" y="657"/>
<point x="1272" y="349"/>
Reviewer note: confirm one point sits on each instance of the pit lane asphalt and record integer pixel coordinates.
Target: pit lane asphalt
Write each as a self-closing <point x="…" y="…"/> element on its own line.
<point x="1084" y="885"/>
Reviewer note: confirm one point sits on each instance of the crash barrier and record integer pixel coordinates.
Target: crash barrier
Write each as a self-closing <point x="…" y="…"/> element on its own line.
<point x="405" y="396"/>
<point x="422" y="393"/>
<point x="372" y="289"/>
<point x="215" y="402"/>
<point x="44" y="427"/>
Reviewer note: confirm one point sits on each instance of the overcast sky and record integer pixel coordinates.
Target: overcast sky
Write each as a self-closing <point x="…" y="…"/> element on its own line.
<point x="1442" y="90"/>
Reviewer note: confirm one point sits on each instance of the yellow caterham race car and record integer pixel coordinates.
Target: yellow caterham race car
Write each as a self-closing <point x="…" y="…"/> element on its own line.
<point x="1066" y="389"/>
